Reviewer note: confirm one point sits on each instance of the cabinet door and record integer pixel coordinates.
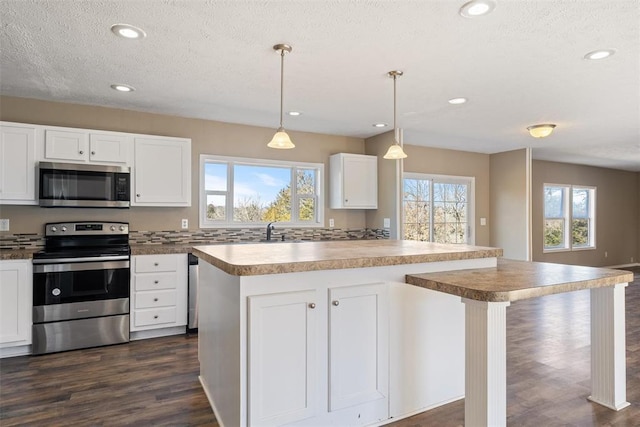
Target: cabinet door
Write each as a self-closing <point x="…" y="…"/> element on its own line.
<point x="109" y="148"/>
<point x="162" y="172"/>
<point x="360" y="181"/>
<point x="17" y="164"/>
<point x="282" y="357"/>
<point x="15" y="303"/>
<point x="358" y="346"/>
<point x="66" y="145"/>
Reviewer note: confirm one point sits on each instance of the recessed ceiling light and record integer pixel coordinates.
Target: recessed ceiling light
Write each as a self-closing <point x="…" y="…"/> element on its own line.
<point x="380" y="125"/>
<point x="294" y="113"/>
<point x="476" y="8"/>
<point x="600" y="54"/>
<point x="128" y="31"/>
<point x="456" y="101"/>
<point x="123" y="88"/>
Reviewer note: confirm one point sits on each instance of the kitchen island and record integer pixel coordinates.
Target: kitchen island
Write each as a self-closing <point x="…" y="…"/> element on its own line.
<point x="329" y="333"/>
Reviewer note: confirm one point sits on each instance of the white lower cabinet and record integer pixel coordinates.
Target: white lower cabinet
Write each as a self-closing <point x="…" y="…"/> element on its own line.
<point x="16" y="290"/>
<point x="158" y="291"/>
<point x="293" y="337"/>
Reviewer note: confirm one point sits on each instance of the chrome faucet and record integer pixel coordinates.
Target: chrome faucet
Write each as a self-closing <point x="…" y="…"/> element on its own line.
<point x="270" y="228"/>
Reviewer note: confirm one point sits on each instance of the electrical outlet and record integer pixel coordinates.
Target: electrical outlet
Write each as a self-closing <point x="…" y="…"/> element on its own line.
<point x="631" y="259"/>
<point x="606" y="254"/>
<point x="4" y="225"/>
<point x="331" y="223"/>
<point x="483" y="221"/>
<point x="387" y="223"/>
<point x="185" y="224"/>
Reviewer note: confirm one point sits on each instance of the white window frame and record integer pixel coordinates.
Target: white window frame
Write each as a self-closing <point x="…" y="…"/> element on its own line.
<point x="229" y="196"/>
<point x="567" y="210"/>
<point x="446" y="179"/>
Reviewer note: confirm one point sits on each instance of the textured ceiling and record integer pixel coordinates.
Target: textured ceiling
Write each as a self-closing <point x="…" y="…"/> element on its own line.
<point x="520" y="65"/>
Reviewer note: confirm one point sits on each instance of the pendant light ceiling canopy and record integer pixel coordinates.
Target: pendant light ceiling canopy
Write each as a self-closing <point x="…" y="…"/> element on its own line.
<point x="281" y="139"/>
<point x="395" y="152"/>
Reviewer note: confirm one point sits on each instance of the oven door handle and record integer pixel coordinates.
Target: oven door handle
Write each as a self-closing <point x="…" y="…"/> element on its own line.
<point x="80" y="266"/>
<point x="82" y="259"/>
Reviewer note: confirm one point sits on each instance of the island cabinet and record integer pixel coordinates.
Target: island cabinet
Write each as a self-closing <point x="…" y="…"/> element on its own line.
<point x="328" y="333"/>
<point x="285" y="354"/>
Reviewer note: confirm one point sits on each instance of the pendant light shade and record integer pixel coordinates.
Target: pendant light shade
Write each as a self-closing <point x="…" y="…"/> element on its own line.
<point x="395" y="152"/>
<point x="281" y="139"/>
<point x="541" y="131"/>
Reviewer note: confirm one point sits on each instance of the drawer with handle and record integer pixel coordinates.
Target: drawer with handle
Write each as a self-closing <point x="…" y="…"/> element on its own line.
<point x="154" y="316"/>
<point x="150" y="282"/>
<point x="156" y="263"/>
<point x="166" y="298"/>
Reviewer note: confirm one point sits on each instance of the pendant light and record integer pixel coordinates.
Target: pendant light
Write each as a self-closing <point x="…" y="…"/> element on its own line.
<point x="395" y="152"/>
<point x="281" y="140"/>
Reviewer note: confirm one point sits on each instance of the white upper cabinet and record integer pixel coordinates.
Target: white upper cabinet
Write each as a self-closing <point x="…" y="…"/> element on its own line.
<point x="17" y="164"/>
<point x="162" y="172"/>
<point x="109" y="148"/>
<point x="353" y="181"/>
<point x="81" y="145"/>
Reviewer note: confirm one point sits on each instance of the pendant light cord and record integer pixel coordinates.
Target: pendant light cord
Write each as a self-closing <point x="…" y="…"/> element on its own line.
<point x="281" y="85"/>
<point x="395" y="129"/>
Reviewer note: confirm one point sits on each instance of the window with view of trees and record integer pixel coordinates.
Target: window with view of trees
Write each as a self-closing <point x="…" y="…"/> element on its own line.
<point x="569" y="217"/>
<point x="437" y="208"/>
<point x="237" y="192"/>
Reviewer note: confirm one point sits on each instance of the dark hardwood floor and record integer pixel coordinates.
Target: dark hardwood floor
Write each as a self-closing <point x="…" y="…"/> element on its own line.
<point x="155" y="382"/>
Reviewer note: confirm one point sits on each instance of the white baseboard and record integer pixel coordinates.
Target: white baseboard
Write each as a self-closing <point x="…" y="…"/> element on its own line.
<point x="156" y="333"/>
<point x="20" y="350"/>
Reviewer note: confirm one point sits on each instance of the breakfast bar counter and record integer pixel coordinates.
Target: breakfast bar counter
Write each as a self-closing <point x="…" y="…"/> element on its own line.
<point x="486" y="292"/>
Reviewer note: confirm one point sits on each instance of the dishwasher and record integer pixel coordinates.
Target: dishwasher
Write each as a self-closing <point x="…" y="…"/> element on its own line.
<point x="192" y="325"/>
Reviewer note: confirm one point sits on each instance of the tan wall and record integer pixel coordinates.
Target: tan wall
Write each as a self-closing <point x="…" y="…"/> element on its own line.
<point x="208" y="137"/>
<point x="387" y="185"/>
<point x="457" y="163"/>
<point x="617" y="208"/>
<point x="510" y="203"/>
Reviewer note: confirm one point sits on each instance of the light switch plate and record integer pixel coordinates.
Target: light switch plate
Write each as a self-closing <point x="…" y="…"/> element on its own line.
<point x="185" y="224"/>
<point x="387" y="223"/>
<point x="4" y="225"/>
<point x="483" y="221"/>
<point x="331" y="223"/>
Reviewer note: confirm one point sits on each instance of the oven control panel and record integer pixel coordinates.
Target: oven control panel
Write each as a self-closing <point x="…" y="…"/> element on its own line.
<point x="86" y="228"/>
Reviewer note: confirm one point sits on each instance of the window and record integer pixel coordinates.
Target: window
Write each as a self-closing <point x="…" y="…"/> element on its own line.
<point x="437" y="208"/>
<point x="569" y="217"/>
<point x="238" y="192"/>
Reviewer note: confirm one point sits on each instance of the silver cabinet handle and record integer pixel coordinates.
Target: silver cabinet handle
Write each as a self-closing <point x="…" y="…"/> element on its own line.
<point x="155" y="300"/>
<point x="336" y="303"/>
<point x="93" y="152"/>
<point x="155" y="264"/>
<point x="312" y="305"/>
<point x="81" y="152"/>
<point x="155" y="282"/>
<point x="137" y="195"/>
<point x="155" y="317"/>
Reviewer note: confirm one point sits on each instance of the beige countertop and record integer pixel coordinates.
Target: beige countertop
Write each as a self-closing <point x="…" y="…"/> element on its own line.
<point x="160" y="249"/>
<point x="276" y="258"/>
<point x="516" y="280"/>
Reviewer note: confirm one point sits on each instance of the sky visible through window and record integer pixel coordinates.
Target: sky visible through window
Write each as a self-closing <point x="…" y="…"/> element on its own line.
<point x="250" y="181"/>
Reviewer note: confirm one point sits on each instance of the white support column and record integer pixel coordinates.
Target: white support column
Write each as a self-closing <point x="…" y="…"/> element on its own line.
<point x="485" y="363"/>
<point x="608" y="358"/>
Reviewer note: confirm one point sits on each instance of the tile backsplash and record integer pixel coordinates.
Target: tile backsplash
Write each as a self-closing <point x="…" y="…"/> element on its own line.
<point x="218" y="235"/>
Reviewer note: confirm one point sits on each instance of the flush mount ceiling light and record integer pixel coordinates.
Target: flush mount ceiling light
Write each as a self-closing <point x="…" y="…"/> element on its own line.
<point x="541" y="131"/>
<point x="380" y="125"/>
<point x="599" y="54"/>
<point x="457" y="101"/>
<point x="123" y="88"/>
<point x="281" y="140"/>
<point x="395" y="152"/>
<point x="128" y="31"/>
<point x="294" y="113"/>
<point x="476" y="8"/>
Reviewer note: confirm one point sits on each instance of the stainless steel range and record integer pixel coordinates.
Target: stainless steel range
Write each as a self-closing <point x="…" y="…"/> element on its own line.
<point x="81" y="286"/>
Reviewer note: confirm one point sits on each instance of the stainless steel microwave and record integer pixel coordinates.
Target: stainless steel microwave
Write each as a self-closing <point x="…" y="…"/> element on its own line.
<point x="80" y="185"/>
